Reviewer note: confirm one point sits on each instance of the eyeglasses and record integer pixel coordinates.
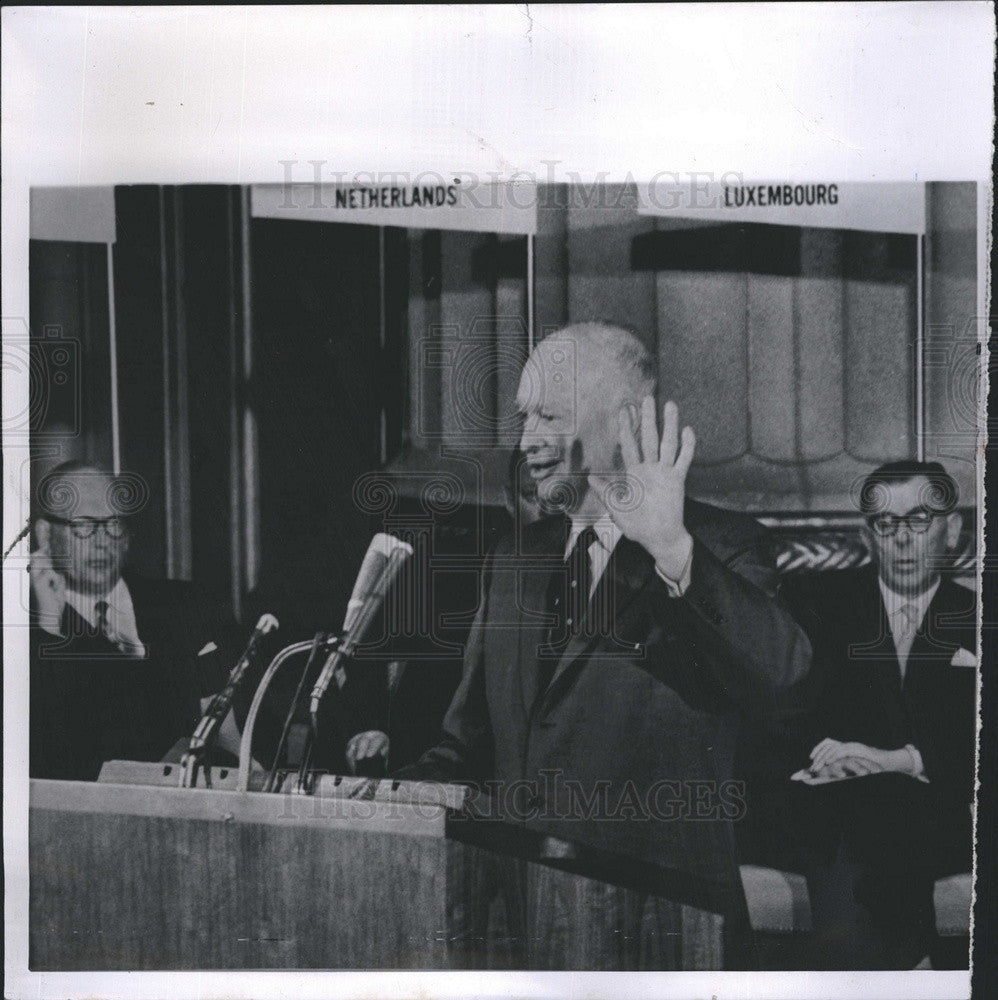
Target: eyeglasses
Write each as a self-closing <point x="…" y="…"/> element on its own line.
<point x="84" y="527"/>
<point x="917" y="521"/>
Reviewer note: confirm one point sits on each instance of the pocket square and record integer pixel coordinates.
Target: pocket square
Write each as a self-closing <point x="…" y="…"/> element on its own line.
<point x="963" y="658"/>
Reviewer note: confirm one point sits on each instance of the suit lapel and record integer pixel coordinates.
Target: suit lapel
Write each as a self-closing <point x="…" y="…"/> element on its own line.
<point x="875" y="652"/>
<point x="888" y="670"/>
<point x="148" y="614"/>
<point x="82" y="637"/>
<point x="625" y="577"/>
<point x="934" y="643"/>
<point x="543" y="546"/>
<point x="936" y="638"/>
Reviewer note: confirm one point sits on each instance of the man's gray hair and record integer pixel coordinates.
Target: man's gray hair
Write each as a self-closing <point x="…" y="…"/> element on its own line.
<point x="619" y="346"/>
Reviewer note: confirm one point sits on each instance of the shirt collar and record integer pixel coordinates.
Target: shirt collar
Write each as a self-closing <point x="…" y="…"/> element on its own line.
<point x="893" y="601"/>
<point x="119" y="602"/>
<point x="607" y="533"/>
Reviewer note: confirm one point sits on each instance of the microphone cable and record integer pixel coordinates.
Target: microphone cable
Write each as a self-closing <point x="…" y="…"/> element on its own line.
<point x="319" y="644"/>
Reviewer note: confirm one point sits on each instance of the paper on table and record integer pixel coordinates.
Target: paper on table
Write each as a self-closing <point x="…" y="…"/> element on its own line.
<point x="808" y="778"/>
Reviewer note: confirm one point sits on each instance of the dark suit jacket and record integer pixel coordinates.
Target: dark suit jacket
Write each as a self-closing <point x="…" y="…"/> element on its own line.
<point x="866" y="699"/>
<point x="90" y="704"/>
<point x="440" y="598"/>
<point x="653" y="701"/>
<point x="858" y="695"/>
<point x="893" y="822"/>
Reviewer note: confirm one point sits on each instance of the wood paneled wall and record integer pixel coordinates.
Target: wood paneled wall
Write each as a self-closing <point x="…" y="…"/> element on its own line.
<point x="953" y="325"/>
<point x="791" y="351"/>
<point x="68" y="416"/>
<point x="179" y="333"/>
<point x="467" y="338"/>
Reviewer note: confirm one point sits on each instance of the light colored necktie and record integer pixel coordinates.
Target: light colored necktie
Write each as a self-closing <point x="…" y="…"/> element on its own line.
<point x="909" y="616"/>
<point x="907" y="624"/>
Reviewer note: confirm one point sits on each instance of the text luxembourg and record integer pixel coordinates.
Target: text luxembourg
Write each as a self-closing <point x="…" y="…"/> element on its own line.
<point x="763" y="195"/>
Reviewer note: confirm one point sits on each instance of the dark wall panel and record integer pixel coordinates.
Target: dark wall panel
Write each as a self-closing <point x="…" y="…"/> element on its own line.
<point x="213" y="331"/>
<point x="140" y="286"/>
<point x="315" y="389"/>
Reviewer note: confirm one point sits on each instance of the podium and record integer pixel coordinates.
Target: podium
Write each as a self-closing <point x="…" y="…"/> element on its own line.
<point x="140" y="876"/>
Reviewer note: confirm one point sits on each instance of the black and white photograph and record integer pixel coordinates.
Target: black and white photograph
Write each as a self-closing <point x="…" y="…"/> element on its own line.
<point x="479" y="564"/>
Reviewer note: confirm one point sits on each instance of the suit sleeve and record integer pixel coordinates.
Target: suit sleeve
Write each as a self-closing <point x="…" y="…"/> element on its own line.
<point x="740" y="632"/>
<point x="465" y="751"/>
<point x="362" y="703"/>
<point x="946" y="733"/>
<point x="212" y="637"/>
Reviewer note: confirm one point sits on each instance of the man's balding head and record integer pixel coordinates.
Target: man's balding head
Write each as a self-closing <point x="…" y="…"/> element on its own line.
<point x="603" y="354"/>
<point x="573" y="386"/>
<point x="74" y="500"/>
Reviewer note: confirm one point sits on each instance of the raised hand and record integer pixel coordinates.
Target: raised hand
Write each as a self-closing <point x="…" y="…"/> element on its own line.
<point x="48" y="588"/>
<point x="647" y="501"/>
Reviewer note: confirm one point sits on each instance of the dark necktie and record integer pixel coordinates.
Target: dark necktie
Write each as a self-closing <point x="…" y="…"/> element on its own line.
<point x="568" y="600"/>
<point x="101" y="607"/>
<point x="580" y="580"/>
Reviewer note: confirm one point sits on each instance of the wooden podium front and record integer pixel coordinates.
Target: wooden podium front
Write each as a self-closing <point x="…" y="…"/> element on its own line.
<point x="134" y="877"/>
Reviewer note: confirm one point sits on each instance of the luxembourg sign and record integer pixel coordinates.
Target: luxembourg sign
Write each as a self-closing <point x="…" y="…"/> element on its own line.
<point x="877" y="207"/>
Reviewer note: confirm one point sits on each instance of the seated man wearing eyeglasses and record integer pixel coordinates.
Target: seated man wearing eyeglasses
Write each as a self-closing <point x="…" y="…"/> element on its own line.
<point x="898" y="715"/>
<point x="120" y="666"/>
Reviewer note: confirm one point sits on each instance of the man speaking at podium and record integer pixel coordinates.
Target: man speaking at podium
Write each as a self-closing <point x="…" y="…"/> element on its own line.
<point x="619" y="640"/>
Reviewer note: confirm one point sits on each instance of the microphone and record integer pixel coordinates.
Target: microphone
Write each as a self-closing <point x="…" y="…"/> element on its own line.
<point x="385" y="557"/>
<point x="218" y="707"/>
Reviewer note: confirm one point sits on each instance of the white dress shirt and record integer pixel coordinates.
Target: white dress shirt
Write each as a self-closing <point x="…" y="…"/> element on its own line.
<point x="607" y="536"/>
<point x="122" y="628"/>
<point x="905" y="615"/>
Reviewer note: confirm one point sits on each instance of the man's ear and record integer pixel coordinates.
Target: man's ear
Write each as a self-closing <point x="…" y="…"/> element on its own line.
<point x="43" y="534"/>
<point x="954" y="525"/>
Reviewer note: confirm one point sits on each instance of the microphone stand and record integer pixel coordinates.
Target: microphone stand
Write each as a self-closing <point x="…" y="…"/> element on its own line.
<point x="354" y="632"/>
<point x="319" y="644"/>
<point x="344" y="653"/>
<point x="246" y="744"/>
<point x="304" y="785"/>
<point x="206" y="733"/>
<point x="358" y="629"/>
